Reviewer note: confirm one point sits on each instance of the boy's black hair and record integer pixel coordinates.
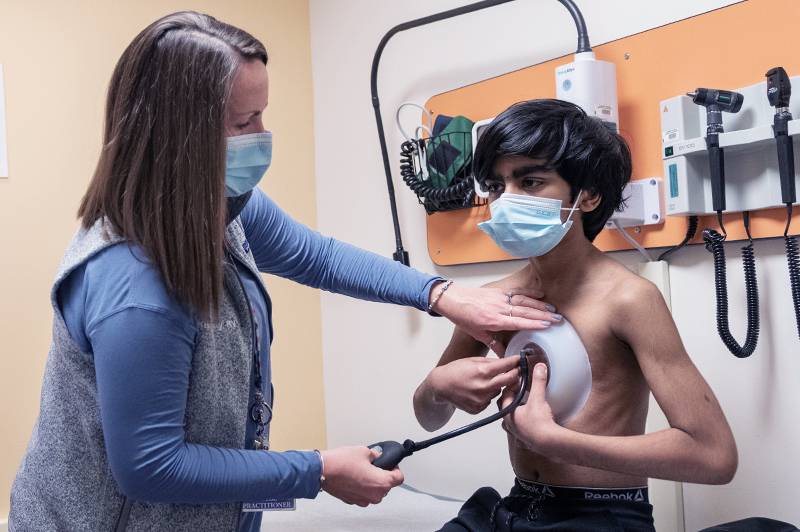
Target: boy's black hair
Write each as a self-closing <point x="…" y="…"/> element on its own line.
<point x="582" y="149"/>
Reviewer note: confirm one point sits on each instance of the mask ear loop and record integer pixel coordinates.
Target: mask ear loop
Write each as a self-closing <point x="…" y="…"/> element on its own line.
<point x="568" y="223"/>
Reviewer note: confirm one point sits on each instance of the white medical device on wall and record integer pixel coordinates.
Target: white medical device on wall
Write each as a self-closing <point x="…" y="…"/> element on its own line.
<point x="750" y="175"/>
<point x="588" y="83"/>
<point x="477" y="131"/>
<point x="592" y="85"/>
<point x="644" y="204"/>
<point x="752" y="179"/>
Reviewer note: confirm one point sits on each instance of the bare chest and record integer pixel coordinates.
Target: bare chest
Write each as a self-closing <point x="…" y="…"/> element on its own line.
<point x="616" y="406"/>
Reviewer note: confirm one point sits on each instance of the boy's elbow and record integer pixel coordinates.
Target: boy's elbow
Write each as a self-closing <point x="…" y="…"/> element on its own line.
<point x="426" y="420"/>
<point x="425" y="410"/>
<point x="724" y="465"/>
<point x="728" y="471"/>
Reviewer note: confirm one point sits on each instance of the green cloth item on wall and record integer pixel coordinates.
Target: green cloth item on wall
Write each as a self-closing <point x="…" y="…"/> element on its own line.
<point x="449" y="151"/>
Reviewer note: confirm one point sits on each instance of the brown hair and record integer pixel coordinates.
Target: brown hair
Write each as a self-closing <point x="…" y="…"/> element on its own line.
<point x="160" y="179"/>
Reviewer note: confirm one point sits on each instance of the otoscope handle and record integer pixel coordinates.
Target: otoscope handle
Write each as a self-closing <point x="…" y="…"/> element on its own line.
<point x="717" y="166"/>
<point x="786" y="168"/>
<point x="392" y="453"/>
<point x="779" y="92"/>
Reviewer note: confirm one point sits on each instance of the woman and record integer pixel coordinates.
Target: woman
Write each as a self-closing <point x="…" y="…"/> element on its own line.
<point x="157" y="393"/>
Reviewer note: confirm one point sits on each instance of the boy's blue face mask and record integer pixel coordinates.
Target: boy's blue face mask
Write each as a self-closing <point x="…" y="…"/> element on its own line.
<point x="527" y="226"/>
<point x="246" y="160"/>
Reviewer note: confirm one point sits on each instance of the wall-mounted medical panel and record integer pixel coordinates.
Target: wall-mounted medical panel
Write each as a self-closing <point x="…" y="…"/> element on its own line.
<point x="752" y="180"/>
<point x="652" y="68"/>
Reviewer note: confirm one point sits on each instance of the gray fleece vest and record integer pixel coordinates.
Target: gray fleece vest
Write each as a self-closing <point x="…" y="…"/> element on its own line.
<point x="64" y="481"/>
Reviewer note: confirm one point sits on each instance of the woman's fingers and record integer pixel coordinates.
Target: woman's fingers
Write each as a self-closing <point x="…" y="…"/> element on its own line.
<point x="525" y="312"/>
<point x="482" y="311"/>
<point x="523" y="304"/>
<point x="351" y="477"/>
<point x="528" y="298"/>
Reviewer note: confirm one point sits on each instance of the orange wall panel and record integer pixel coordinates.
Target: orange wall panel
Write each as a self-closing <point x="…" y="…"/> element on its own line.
<point x="728" y="48"/>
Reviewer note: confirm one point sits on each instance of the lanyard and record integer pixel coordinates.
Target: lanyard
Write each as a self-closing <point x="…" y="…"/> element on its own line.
<point x="260" y="412"/>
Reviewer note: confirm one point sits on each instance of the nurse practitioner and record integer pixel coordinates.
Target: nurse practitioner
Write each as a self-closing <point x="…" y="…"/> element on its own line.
<point x="157" y="395"/>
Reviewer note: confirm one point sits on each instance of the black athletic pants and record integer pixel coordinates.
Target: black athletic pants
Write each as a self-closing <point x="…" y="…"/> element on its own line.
<point x="536" y="507"/>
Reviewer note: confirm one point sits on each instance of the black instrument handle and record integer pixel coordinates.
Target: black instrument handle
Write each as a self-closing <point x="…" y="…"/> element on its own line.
<point x="786" y="168"/>
<point x="717" y="162"/>
<point x="392" y="453"/>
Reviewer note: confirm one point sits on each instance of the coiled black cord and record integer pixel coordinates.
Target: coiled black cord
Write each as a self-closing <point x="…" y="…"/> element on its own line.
<point x="690" y="232"/>
<point x="434" y="199"/>
<point x="714" y="244"/>
<point x="793" y="258"/>
<point x="407" y="150"/>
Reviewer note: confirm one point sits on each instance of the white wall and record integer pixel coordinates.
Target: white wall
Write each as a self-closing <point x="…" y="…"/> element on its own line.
<point x="376" y="355"/>
<point x="759" y="394"/>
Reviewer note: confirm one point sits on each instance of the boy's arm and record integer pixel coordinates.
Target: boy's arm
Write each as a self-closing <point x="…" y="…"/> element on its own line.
<point x="698" y="447"/>
<point x="462" y="379"/>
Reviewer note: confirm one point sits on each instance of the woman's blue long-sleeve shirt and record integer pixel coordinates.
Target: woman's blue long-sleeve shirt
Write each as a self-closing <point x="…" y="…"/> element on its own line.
<point x="116" y="307"/>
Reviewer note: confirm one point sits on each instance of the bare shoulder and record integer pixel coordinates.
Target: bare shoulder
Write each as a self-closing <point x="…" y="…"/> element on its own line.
<point x="626" y="293"/>
<point x="518" y="279"/>
<point x="640" y="316"/>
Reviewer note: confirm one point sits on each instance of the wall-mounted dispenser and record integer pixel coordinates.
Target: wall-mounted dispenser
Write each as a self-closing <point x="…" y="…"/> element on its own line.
<point x="592" y="85"/>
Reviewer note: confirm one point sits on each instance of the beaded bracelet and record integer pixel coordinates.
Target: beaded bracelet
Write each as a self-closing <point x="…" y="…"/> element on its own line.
<point x="321" y="471"/>
<point x="444" y="287"/>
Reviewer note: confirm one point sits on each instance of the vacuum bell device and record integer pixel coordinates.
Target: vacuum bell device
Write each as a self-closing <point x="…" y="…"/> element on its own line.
<point x="569" y="381"/>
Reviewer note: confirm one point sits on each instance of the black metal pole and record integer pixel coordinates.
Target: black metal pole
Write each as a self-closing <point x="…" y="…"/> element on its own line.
<point x="400" y="254"/>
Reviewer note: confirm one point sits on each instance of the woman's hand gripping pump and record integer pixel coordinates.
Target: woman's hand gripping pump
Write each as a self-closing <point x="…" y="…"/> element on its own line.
<point x="392" y="452"/>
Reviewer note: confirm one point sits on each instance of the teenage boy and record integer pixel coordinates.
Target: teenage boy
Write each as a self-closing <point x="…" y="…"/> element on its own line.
<point x="555" y="176"/>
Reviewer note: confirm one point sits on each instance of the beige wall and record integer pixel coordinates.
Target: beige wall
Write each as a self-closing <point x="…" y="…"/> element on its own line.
<point x="57" y="58"/>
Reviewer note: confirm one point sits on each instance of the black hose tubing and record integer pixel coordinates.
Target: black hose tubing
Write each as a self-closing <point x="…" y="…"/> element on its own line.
<point x="714" y="244"/>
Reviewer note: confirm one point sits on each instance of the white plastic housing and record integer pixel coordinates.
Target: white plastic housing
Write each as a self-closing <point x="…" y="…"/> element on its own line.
<point x="752" y="179"/>
<point x="477" y="130"/>
<point x="644" y="204"/>
<point x="592" y="85"/>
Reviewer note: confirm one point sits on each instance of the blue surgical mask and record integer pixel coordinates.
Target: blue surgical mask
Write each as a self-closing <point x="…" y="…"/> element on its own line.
<point x="527" y="226"/>
<point x="246" y="160"/>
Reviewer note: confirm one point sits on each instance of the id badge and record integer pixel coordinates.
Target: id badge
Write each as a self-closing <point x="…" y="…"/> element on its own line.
<point x="270" y="505"/>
